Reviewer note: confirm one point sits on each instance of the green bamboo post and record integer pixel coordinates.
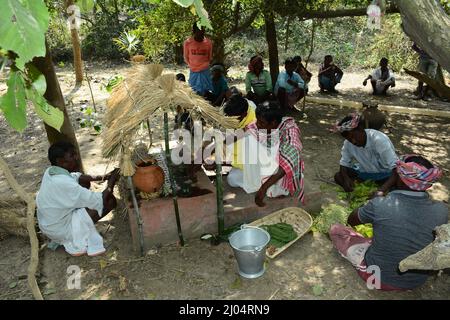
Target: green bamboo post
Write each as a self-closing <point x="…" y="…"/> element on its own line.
<point x="219" y="189"/>
<point x="172" y="180"/>
<point x="138" y="216"/>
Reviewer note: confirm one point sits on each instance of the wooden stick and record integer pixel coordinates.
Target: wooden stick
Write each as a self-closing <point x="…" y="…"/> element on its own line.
<point x="150" y="136"/>
<point x="138" y="216"/>
<point x="31" y="205"/>
<point x="90" y="89"/>
<point x="172" y="180"/>
<point x="390" y="108"/>
<point x="219" y="187"/>
<point x="274" y="294"/>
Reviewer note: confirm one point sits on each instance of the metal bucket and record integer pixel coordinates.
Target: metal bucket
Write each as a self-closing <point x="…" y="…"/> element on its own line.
<point x="249" y="246"/>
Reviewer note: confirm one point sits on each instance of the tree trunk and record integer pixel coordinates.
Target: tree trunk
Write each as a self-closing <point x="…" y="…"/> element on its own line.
<point x="77" y="62"/>
<point x="178" y="52"/>
<point x="218" y="50"/>
<point x="55" y="97"/>
<point x="427" y="24"/>
<point x="271" y="38"/>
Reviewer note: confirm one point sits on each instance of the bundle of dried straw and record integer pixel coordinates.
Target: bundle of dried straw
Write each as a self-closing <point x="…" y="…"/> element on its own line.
<point x="142" y="93"/>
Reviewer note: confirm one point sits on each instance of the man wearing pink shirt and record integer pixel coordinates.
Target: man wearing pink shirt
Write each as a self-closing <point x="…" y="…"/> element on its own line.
<point x="198" y="55"/>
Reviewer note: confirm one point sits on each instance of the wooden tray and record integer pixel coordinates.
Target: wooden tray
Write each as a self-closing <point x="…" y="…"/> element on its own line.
<point x="300" y="220"/>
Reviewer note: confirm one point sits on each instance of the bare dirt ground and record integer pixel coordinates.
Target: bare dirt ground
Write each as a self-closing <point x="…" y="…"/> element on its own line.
<point x="310" y="269"/>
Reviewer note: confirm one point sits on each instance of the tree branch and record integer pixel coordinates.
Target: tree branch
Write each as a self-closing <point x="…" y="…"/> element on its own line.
<point x="342" y="13"/>
<point x="243" y="26"/>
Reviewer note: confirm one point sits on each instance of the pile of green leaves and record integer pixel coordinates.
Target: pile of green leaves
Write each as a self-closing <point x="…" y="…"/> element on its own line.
<point x="280" y="233"/>
<point x="331" y="214"/>
<point x="334" y="213"/>
<point x="360" y="194"/>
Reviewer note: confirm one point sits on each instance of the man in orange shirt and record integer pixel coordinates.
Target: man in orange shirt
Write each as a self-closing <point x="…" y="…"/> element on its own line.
<point x="198" y="55"/>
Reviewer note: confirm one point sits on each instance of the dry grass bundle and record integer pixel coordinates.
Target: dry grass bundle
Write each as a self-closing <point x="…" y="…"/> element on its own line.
<point x="137" y="98"/>
<point x="13" y="213"/>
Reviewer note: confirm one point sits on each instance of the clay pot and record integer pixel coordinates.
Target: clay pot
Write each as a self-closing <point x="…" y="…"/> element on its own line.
<point x="372" y="117"/>
<point x="149" y="177"/>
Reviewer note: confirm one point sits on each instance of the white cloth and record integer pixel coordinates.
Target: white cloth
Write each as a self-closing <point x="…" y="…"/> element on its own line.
<point x="378" y="155"/>
<point x="381" y="84"/>
<point x="258" y="165"/>
<point x="236" y="179"/>
<point x="62" y="216"/>
<point x="251" y="104"/>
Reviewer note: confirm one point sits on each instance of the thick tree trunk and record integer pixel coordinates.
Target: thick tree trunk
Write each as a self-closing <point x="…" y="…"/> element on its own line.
<point x="55" y="97"/>
<point x="77" y="61"/>
<point x="218" y="50"/>
<point x="441" y="89"/>
<point x="271" y="38"/>
<point x="427" y="24"/>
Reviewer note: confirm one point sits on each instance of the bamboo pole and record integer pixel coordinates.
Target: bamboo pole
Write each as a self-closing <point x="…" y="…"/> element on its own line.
<point x="172" y="180"/>
<point x="219" y="188"/>
<point x="138" y="216"/>
<point x="31" y="206"/>
<point x="382" y="107"/>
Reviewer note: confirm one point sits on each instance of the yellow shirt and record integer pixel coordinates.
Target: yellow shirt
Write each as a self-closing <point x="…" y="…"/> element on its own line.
<point x="249" y="118"/>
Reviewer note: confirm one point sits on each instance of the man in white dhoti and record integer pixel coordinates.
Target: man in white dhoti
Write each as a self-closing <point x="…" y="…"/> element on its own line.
<point x="66" y="209"/>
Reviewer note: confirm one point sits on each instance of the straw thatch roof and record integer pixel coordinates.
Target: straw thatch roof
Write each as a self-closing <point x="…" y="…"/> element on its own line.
<point x="143" y="93"/>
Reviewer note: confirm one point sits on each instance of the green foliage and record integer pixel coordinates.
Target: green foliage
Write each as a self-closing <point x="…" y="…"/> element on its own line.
<point x="334" y="213"/>
<point x="13" y="103"/>
<point x="280" y="233"/>
<point x="28" y="86"/>
<point x="113" y="82"/>
<point x="359" y="195"/>
<point x="330" y="215"/>
<point x="128" y="42"/>
<point x="58" y="38"/>
<point x="165" y="26"/>
<point x="98" y="38"/>
<point x="197" y="7"/>
<point x="89" y="118"/>
<point x="392" y="43"/>
<point x="23" y="24"/>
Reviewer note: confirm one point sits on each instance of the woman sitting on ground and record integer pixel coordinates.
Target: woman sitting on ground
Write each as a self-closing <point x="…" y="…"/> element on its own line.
<point x="258" y="82"/>
<point x="274" y="166"/>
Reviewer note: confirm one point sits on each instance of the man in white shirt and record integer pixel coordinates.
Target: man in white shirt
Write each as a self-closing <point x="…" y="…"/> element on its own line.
<point x="66" y="209"/>
<point x="381" y="79"/>
<point x="367" y="154"/>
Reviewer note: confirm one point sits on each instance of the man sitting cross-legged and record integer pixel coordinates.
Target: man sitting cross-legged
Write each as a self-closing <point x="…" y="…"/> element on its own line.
<point x="373" y="151"/>
<point x="403" y="224"/>
<point x="66" y="209"/>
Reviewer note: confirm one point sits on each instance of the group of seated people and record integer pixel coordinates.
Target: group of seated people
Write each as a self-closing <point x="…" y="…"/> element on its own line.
<point x="267" y="160"/>
<point x="402" y="214"/>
